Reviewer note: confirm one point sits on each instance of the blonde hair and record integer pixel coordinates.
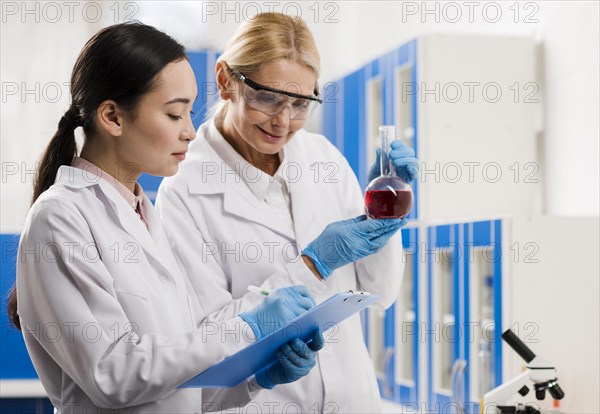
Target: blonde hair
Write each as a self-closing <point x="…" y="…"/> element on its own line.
<point x="267" y="37"/>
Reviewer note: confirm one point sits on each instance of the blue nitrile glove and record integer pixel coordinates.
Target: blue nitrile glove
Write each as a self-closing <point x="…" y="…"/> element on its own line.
<point x="403" y="159"/>
<point x="294" y="360"/>
<point x="281" y="306"/>
<point x="347" y="241"/>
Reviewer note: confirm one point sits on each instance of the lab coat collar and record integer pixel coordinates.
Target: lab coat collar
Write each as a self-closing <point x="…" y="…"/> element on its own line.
<point x="152" y="239"/>
<point x="257" y="180"/>
<point x="209" y="173"/>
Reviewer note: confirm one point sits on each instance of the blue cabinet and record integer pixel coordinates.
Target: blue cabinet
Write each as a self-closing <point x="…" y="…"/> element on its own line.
<point x="464" y="272"/>
<point x="456" y="271"/>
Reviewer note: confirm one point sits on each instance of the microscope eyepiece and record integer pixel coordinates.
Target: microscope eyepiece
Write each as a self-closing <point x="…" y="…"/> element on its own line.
<point x="518" y="345"/>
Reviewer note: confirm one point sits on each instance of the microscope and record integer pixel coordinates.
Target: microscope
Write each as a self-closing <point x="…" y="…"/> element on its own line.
<point x="539" y="371"/>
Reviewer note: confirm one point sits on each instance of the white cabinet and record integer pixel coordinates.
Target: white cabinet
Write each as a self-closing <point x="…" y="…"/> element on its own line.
<point x="468" y="104"/>
<point x="477" y="101"/>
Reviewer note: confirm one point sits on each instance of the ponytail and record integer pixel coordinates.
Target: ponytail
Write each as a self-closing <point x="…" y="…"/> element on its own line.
<point x="60" y="151"/>
<point x="13" y="316"/>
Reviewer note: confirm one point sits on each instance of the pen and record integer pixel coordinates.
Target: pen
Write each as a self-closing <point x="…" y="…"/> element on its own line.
<point x="257" y="290"/>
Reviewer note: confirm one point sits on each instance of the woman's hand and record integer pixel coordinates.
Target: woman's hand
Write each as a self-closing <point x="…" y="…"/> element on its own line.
<point x="403" y="159"/>
<point x="347" y="241"/>
<point x="294" y="360"/>
<point x="281" y="306"/>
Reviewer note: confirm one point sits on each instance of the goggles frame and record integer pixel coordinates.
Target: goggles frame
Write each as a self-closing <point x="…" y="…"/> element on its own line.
<point x="258" y="87"/>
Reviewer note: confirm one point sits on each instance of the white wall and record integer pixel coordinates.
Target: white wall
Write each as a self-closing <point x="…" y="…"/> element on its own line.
<point x="554" y="307"/>
<point x="39" y="46"/>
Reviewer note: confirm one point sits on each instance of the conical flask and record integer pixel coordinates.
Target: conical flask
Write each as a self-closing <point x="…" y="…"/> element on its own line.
<point x="387" y="196"/>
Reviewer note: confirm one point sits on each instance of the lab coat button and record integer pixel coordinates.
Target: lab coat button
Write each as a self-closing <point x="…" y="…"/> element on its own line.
<point x="163" y="278"/>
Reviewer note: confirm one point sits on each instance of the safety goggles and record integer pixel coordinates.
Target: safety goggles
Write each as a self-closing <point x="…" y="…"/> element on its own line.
<point x="272" y="101"/>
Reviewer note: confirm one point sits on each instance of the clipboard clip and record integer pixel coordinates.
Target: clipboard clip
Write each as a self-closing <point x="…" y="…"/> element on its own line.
<point x="357" y="292"/>
<point x="360" y="292"/>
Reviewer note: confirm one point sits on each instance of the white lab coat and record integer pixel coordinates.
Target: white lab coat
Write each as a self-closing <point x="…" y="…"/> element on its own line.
<point x="110" y="322"/>
<point x="231" y="239"/>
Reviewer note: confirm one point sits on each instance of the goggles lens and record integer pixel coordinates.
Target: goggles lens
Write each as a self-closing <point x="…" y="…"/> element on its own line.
<point x="271" y="103"/>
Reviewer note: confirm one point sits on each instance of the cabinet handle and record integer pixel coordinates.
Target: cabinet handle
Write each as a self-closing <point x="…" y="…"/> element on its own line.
<point x="457" y="375"/>
<point x="388" y="355"/>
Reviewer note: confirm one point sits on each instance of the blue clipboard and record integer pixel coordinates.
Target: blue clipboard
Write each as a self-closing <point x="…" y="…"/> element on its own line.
<point x="245" y="363"/>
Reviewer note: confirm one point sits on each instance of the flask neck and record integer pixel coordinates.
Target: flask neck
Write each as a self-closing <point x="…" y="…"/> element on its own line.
<point x="386" y="136"/>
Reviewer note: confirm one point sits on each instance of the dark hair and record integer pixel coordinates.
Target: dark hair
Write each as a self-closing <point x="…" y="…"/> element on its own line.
<point x="121" y="62"/>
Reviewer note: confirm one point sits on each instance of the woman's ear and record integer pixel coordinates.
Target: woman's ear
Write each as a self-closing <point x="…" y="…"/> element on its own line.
<point x="110" y="118"/>
<point x="224" y="82"/>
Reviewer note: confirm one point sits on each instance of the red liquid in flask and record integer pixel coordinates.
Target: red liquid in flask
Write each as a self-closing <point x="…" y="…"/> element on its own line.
<point x="386" y="204"/>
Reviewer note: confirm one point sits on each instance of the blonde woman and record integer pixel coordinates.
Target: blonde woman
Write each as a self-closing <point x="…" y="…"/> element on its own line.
<point x="255" y="192"/>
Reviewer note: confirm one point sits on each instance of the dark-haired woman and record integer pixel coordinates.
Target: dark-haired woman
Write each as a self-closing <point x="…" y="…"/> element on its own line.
<point x="108" y="318"/>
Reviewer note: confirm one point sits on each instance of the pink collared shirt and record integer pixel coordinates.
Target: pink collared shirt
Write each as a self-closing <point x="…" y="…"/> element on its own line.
<point x="133" y="199"/>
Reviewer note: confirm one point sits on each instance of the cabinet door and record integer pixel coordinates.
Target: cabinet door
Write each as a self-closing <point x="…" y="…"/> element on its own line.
<point x="442" y="333"/>
<point x="333" y="113"/>
<point x="406" y="325"/>
<point x="14" y="358"/>
<point x="382" y="92"/>
<point x="344" y="118"/>
<point x="375" y="108"/>
<point x="352" y="122"/>
<point x="390" y="84"/>
<point x="400" y="102"/>
<point x="380" y="343"/>
<point x="203" y="63"/>
<point x="393" y="335"/>
<point x="483" y="309"/>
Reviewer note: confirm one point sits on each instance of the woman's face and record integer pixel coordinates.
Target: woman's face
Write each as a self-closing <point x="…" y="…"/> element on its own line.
<point x="157" y="140"/>
<point x="255" y="131"/>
